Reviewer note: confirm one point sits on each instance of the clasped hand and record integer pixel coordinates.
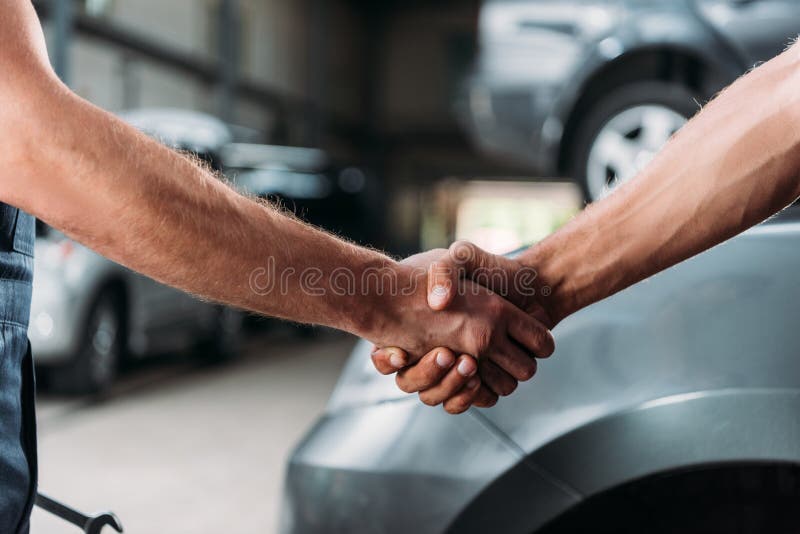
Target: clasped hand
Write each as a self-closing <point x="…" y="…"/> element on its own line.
<point x="494" y="313"/>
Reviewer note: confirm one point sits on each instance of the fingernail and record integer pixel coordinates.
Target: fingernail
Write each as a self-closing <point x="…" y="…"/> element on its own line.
<point x="444" y="359"/>
<point x="437" y="296"/>
<point x="466" y="368"/>
<point x="397" y="361"/>
<point x="473" y="383"/>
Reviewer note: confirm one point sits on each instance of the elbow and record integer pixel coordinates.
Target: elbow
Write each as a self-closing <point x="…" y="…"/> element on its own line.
<point x="20" y="151"/>
<point x="26" y="118"/>
<point x="15" y="152"/>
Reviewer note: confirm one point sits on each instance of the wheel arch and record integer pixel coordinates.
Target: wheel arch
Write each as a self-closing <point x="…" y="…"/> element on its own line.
<point x="679" y="433"/>
<point x="667" y="42"/>
<point x="665" y="62"/>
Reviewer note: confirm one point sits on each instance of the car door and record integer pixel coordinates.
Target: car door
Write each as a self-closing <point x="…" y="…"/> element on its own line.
<point x="160" y="316"/>
<point x="758" y="29"/>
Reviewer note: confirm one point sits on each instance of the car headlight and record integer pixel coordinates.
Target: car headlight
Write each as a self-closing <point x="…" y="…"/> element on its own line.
<point x="43" y="322"/>
<point x="360" y="384"/>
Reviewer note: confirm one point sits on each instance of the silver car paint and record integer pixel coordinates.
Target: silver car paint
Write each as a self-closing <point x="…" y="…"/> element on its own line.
<point x="537" y="58"/>
<point x="62" y="293"/>
<point x="159" y="318"/>
<point x="401" y="467"/>
<point x="697" y="365"/>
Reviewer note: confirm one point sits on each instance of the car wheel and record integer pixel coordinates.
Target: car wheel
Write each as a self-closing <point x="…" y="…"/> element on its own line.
<point x="224" y="342"/>
<point x="94" y="367"/>
<point x="624" y="130"/>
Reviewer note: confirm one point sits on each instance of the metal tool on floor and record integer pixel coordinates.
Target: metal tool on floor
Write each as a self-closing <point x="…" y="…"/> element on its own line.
<point x="90" y="524"/>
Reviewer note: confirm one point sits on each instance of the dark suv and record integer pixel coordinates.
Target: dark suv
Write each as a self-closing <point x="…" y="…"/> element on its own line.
<point x="593" y="88"/>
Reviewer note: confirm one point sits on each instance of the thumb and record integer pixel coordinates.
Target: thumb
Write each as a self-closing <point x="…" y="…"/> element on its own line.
<point x="389" y="360"/>
<point x="442" y="279"/>
<point x="470" y="258"/>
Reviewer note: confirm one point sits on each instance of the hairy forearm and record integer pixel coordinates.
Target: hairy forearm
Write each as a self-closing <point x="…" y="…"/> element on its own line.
<point x="732" y="166"/>
<point x="141" y="204"/>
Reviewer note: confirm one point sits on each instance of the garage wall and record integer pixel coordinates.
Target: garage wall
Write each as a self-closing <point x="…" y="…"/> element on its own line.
<point x="420" y="65"/>
<point x="275" y="51"/>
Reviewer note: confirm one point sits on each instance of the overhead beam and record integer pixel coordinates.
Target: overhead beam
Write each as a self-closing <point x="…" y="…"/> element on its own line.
<point x="288" y="106"/>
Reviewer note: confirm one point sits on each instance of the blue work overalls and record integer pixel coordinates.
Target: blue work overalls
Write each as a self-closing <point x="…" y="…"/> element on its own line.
<point x="17" y="413"/>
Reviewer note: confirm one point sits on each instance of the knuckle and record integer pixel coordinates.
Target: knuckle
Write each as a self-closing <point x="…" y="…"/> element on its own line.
<point x="544" y="344"/>
<point x="428" y="399"/>
<point x="528" y="371"/>
<point x="486" y="401"/>
<point x="548" y="344"/>
<point x="495" y="307"/>
<point x="456" y="406"/>
<point x="507" y="388"/>
<point x="404" y="384"/>
<point x="482" y="338"/>
<point x="431" y="377"/>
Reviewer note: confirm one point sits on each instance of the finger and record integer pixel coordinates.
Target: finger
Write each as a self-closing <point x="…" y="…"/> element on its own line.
<point x="530" y="334"/>
<point x="514" y="361"/>
<point x="452" y="383"/>
<point x="442" y="280"/>
<point x="492" y="271"/>
<point x="496" y="379"/>
<point x="470" y="257"/>
<point x="461" y="401"/>
<point x="389" y="360"/>
<point x="485" y="398"/>
<point x="427" y="372"/>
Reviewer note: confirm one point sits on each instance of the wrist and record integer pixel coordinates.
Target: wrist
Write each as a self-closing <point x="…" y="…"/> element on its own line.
<point x="555" y="293"/>
<point x="388" y="295"/>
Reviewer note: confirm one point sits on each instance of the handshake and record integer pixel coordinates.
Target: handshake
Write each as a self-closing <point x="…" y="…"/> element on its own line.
<point x="490" y="317"/>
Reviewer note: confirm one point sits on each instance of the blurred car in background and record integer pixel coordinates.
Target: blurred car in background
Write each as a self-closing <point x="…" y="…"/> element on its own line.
<point x="88" y="313"/>
<point x="592" y="89"/>
<point x="308" y="183"/>
<point x="670" y="407"/>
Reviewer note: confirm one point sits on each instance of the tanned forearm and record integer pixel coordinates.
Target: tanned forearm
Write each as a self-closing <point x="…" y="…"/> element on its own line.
<point x="732" y="166"/>
<point x="140" y="204"/>
<point x="107" y="185"/>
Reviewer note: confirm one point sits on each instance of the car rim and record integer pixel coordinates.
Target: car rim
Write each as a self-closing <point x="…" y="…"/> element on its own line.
<point x="626" y="144"/>
<point x="103" y="348"/>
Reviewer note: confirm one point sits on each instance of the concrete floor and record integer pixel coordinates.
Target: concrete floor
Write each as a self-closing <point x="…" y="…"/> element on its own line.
<point x="180" y="448"/>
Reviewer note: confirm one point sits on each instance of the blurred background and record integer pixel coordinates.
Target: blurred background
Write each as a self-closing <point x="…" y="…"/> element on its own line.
<point x="400" y="124"/>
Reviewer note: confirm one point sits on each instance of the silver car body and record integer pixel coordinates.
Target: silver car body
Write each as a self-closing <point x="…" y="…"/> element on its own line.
<point x="69" y="277"/>
<point x="541" y="63"/>
<point x="697" y="366"/>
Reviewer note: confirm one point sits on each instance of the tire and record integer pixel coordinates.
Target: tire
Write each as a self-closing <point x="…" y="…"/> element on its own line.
<point x="94" y="367"/>
<point x="610" y="147"/>
<point x="224" y="342"/>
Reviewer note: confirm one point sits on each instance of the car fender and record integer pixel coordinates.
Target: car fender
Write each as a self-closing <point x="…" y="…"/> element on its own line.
<point x="673" y="433"/>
